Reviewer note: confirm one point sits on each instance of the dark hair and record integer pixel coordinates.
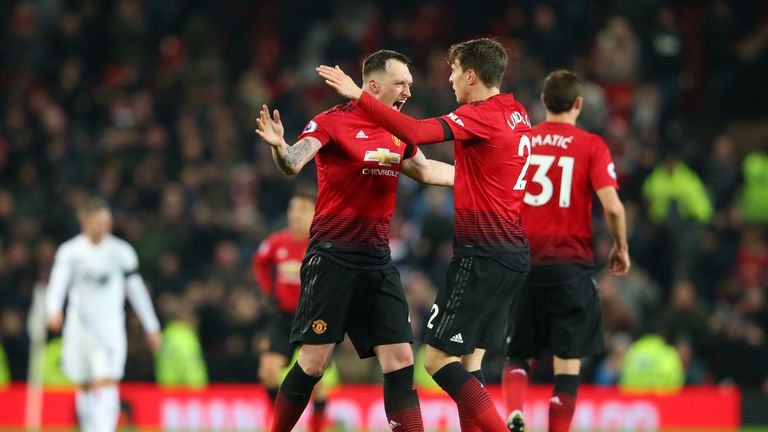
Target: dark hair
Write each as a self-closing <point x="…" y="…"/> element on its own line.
<point x="561" y="88"/>
<point x="90" y="206"/>
<point x="485" y="56"/>
<point x="378" y="61"/>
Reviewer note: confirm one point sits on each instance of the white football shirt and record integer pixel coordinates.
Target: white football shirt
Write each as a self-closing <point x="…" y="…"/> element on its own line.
<point x="97" y="278"/>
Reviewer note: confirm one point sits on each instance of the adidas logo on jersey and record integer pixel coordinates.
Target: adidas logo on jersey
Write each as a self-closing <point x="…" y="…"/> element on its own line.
<point x="457" y="338"/>
<point x="361" y="135"/>
<point x="394" y="425"/>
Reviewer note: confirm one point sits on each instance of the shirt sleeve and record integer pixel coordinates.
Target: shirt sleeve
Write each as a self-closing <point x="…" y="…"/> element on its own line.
<point x="137" y="293"/>
<point x="263" y="263"/>
<point x="130" y="260"/>
<point x="404" y="127"/>
<point x="61" y="276"/>
<point x="410" y="151"/>
<point x="602" y="171"/>
<point x="319" y="128"/>
<point x="467" y="123"/>
<point x="138" y="296"/>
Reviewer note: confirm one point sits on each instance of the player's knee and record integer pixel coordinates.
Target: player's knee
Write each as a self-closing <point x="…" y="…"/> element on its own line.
<point x="395" y="357"/>
<point x="434" y="360"/>
<point x="404" y="357"/>
<point x="432" y="366"/>
<point x="313" y="368"/>
<point x="398" y="363"/>
<point x="313" y="361"/>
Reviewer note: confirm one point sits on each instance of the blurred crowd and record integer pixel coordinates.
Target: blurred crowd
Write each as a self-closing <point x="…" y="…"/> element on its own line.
<point x="151" y="105"/>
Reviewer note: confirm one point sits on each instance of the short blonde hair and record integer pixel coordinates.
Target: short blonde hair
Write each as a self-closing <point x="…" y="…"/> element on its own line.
<point x="91" y="206"/>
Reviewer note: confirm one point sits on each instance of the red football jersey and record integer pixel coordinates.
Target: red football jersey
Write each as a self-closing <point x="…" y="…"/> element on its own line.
<point x="357" y="172"/>
<point x="567" y="164"/>
<point x="276" y="266"/>
<point x="492" y="144"/>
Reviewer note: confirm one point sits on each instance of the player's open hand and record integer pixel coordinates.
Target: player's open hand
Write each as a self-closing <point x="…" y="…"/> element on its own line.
<point x="55" y="321"/>
<point x="341" y="82"/>
<point x="270" y="128"/>
<point x="618" y="261"/>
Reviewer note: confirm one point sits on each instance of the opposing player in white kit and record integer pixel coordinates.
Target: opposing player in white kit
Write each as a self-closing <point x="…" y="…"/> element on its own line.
<point x="97" y="270"/>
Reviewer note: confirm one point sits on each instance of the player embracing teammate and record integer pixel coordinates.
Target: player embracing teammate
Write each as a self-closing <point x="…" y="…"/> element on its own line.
<point x="492" y="142"/>
<point x="504" y="169"/>
<point x="348" y="282"/>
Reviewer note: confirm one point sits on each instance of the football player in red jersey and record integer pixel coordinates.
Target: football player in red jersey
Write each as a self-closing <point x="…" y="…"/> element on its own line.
<point x="560" y="306"/>
<point x="276" y="267"/>
<point x="492" y="144"/>
<point x="348" y="281"/>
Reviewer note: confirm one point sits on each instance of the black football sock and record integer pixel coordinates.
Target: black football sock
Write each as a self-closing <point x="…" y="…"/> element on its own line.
<point x="292" y="398"/>
<point x="401" y="402"/>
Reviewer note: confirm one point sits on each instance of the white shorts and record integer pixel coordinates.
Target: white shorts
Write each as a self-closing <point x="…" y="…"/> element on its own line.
<point x="90" y="353"/>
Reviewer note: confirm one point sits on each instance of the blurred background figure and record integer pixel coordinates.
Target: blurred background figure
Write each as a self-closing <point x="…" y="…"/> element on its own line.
<point x="180" y="362"/>
<point x="651" y="365"/>
<point x="277" y="265"/>
<point x="95" y="271"/>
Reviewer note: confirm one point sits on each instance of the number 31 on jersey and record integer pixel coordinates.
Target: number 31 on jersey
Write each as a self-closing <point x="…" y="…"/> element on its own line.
<point x="543" y="163"/>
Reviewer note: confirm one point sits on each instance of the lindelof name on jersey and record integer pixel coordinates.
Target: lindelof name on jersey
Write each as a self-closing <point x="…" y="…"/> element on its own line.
<point x="456" y="119"/>
<point x="552" y="140"/>
<point x="516" y="118"/>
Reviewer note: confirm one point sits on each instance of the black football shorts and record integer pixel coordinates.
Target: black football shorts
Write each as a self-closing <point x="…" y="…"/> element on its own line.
<point x="472" y="310"/>
<point x="565" y="318"/>
<point x="368" y="305"/>
<point x="279" y="335"/>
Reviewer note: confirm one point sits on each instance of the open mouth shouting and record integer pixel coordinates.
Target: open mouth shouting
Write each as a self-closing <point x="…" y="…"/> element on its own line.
<point x="398" y="105"/>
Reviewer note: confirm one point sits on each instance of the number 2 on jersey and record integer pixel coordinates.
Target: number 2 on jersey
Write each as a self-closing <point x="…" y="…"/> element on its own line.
<point x="525" y="143"/>
<point x="435" y="310"/>
<point x="543" y="164"/>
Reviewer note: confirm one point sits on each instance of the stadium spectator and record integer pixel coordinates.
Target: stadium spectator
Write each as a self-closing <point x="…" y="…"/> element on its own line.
<point x="755" y="171"/>
<point x="180" y="362"/>
<point x="685" y="317"/>
<point x="5" y="372"/>
<point x="675" y="194"/>
<point x="651" y="364"/>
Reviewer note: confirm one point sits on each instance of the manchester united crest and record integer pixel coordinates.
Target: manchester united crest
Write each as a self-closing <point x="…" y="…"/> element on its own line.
<point x="319" y="326"/>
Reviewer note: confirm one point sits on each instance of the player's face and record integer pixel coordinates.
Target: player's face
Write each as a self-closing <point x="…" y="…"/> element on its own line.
<point x="459" y="82"/>
<point x="301" y="210"/>
<point x="97" y="224"/>
<point x="394" y="84"/>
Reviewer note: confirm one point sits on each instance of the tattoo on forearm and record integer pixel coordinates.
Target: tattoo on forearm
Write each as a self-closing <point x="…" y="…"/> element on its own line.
<point x="295" y="154"/>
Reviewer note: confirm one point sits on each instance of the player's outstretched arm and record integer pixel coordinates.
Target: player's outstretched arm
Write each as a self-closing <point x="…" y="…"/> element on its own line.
<point x="428" y="171"/>
<point x="408" y="129"/>
<point x="290" y="159"/>
<point x="618" y="258"/>
<point x="343" y="84"/>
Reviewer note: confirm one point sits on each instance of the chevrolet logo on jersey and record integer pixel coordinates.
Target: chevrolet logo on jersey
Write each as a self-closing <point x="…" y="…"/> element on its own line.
<point x="382" y="156"/>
